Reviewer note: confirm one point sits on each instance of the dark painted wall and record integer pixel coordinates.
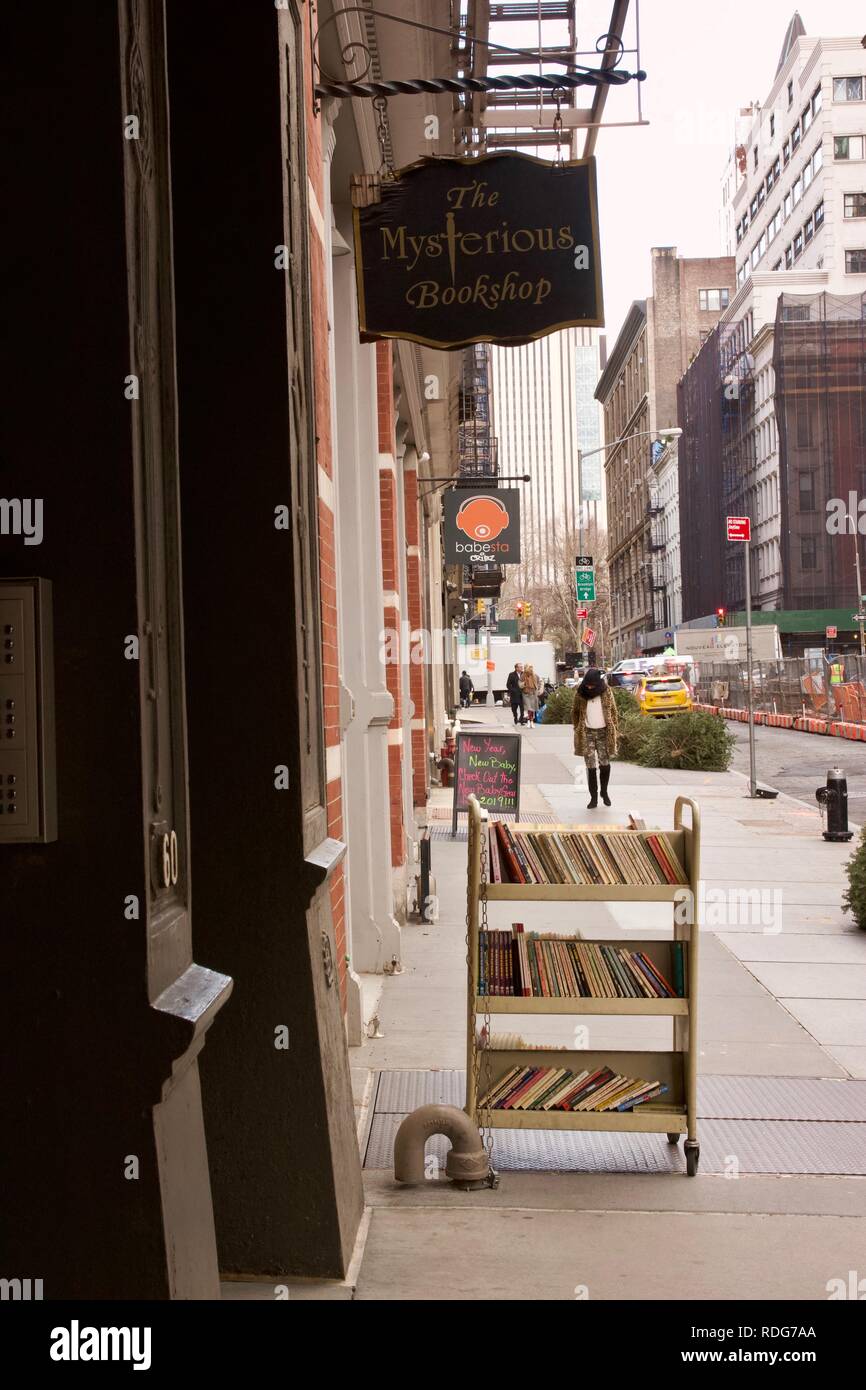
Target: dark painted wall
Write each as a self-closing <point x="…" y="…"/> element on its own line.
<point x="282" y="1151"/>
<point x="82" y="1062"/>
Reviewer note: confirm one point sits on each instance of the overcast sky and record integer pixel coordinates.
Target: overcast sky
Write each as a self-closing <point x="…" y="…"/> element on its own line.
<point x="659" y="185"/>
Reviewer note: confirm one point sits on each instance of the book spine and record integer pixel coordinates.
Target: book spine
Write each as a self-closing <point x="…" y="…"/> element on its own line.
<point x="665" y="988"/>
<point x="514" y="874"/>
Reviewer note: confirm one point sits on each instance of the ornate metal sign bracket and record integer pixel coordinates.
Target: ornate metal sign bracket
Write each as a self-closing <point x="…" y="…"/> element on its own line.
<point x="355" y="52"/>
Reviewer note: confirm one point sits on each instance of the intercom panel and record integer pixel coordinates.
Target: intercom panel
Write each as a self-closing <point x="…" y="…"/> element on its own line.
<point x="28" y="787"/>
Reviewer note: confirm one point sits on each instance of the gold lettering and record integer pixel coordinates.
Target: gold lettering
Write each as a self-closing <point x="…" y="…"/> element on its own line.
<point x="565" y="238"/>
<point x="397" y="238"/>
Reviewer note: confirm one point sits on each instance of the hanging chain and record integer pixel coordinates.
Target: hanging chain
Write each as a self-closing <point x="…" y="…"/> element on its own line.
<point x="380" y="106"/>
<point x="486" y="1127"/>
<point x="557" y="124"/>
<point x="477" y="846"/>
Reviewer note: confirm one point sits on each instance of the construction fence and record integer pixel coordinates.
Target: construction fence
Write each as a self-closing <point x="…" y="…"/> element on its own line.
<point x="794" y="686"/>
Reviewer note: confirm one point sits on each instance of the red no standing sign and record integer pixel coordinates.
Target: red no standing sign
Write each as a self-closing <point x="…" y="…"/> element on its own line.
<point x="739" y="528"/>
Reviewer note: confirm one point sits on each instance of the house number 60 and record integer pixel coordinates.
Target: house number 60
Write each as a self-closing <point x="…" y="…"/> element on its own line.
<point x="169" y="859"/>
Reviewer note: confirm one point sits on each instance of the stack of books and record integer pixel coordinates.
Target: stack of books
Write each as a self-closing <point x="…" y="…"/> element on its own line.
<point x="516" y="964"/>
<point x="581" y="857"/>
<point x="559" y="1088"/>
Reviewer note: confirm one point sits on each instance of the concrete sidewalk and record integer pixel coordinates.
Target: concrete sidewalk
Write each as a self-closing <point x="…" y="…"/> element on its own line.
<point x="782" y="995"/>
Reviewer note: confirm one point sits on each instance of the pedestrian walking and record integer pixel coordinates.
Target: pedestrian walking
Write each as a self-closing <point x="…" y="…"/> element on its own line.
<point x="532" y="688"/>
<point x="596" y="732"/>
<point x="514" y="689"/>
<point x="466" y="689"/>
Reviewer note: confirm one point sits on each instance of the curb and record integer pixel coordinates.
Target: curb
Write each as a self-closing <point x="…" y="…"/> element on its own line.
<point x="804" y="724"/>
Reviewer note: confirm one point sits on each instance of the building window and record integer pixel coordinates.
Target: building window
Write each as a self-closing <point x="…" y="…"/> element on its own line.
<point x="789" y="257"/>
<point x="753" y="207"/>
<point x="807" y="490"/>
<point x="855" y="262"/>
<point x="816" y="101"/>
<point x="847" y="88"/>
<point x="786" y="206"/>
<point x="809" y="552"/>
<point x="712" y="299"/>
<point x="806" y="119"/>
<point x="807" y="174"/>
<point x="755" y="153"/>
<point x="786" y="151"/>
<point x="855" y="204"/>
<point x="772" y="125"/>
<point x="798" y="244"/>
<point x="797" y="190"/>
<point x="795" y="137"/>
<point x="819" y="214"/>
<point x="818" y="159"/>
<point x="847" y="146"/>
<point x="791" y="93"/>
<point x="809" y="228"/>
<point x="777" y="266"/>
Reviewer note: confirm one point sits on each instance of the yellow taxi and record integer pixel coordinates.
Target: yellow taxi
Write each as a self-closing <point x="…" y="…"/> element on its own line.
<point x="661" y="694"/>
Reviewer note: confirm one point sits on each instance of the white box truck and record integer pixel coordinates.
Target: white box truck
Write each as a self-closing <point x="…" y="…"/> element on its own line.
<point x="472" y="657"/>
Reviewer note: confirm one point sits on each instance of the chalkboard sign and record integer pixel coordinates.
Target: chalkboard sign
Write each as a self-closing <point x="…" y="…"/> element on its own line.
<point x="487" y="766"/>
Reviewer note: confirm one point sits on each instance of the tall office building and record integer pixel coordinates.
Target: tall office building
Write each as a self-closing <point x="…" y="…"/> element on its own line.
<point x="544" y="413"/>
<point x="773" y="407"/>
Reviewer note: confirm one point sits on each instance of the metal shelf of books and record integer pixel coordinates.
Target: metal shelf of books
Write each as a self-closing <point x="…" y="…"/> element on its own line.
<point x="513" y="971"/>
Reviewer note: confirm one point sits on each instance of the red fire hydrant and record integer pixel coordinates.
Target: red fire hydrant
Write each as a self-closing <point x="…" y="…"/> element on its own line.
<point x="446" y="758"/>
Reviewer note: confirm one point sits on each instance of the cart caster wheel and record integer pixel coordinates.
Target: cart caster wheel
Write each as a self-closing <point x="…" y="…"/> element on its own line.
<point x="693" y="1153"/>
<point x="673" y="1138"/>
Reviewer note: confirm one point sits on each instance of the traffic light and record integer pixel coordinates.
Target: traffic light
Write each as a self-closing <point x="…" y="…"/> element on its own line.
<point x="527" y="609"/>
<point x="720" y="617"/>
<point x="479" y="605"/>
<point x="520" y="610"/>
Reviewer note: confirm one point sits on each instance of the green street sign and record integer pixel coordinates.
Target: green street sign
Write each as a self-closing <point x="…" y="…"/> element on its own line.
<point x="584" y="579"/>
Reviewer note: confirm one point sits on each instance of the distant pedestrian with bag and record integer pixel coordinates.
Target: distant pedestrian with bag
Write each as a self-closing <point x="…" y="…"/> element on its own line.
<point x="466" y="689"/>
<point x="532" y="688"/>
<point x="596" y="731"/>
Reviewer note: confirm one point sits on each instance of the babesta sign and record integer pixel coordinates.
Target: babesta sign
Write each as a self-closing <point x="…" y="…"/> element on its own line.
<point x="482" y="525"/>
<point x="502" y="249"/>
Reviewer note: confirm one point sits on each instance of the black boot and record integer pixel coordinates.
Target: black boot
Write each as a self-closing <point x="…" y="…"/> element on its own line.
<point x="605" y="778"/>
<point x="592" y="778"/>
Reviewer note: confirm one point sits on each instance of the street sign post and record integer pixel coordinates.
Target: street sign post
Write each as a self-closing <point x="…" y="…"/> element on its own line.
<point x="584" y="579"/>
<point x="739" y="528"/>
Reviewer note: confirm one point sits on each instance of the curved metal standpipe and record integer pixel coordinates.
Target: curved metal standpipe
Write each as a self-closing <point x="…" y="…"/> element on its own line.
<point x="467" y="1159"/>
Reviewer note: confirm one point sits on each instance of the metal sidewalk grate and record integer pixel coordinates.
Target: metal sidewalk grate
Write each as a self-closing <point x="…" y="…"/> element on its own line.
<point x="764" y="1124"/>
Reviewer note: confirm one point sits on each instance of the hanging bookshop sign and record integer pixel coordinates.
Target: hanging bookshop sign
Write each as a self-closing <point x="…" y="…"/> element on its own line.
<point x="502" y="249"/>
<point x="487" y="766"/>
<point x="480" y="526"/>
